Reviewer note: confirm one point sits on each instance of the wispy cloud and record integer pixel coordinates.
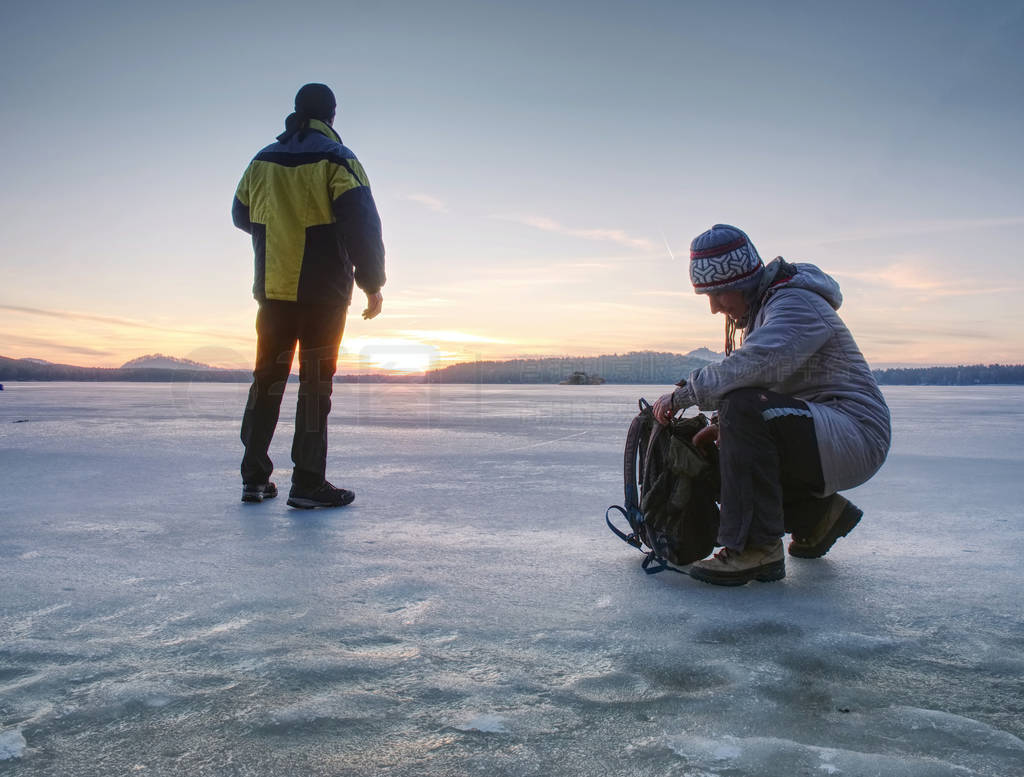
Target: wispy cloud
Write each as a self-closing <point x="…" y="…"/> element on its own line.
<point x="52" y="345"/>
<point x="412" y="300"/>
<point x="616" y="236"/>
<point x="687" y="295"/>
<point x="427" y="201"/>
<point x="911" y="229"/>
<point x="447" y="336"/>
<point x="916" y="276"/>
<point x="117" y="321"/>
<point x="73" y="316"/>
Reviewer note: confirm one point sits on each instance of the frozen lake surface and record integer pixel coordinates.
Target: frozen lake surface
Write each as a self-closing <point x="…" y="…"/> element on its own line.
<point x="470" y="613"/>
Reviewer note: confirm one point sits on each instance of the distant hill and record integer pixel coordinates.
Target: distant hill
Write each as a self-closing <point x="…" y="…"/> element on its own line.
<point x="707" y="354"/>
<point x="160" y="362"/>
<point x="35" y="369"/>
<point x="635" y="367"/>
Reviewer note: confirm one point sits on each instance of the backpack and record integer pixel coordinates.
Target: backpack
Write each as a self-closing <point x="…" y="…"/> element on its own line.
<point x="671" y="491"/>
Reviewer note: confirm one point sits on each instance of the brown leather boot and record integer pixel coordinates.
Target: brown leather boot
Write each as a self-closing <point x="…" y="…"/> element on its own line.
<point x="764" y="563"/>
<point x="839" y="519"/>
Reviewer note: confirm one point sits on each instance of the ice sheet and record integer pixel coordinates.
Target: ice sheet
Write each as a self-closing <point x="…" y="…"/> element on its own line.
<point x="470" y="613"/>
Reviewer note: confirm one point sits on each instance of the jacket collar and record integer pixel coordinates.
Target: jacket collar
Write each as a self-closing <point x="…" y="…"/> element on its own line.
<point x="324" y="129"/>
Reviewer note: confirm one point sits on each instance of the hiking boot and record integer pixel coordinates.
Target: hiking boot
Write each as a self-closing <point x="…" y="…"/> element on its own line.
<point x="324" y="495"/>
<point x="257" y="492"/>
<point x="839" y="519"/>
<point x="764" y="563"/>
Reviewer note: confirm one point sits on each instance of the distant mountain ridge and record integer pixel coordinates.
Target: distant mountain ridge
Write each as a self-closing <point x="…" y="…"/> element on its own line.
<point x="36" y="369"/>
<point x="160" y="361"/>
<point x="634" y="367"/>
<point x="638" y="367"/>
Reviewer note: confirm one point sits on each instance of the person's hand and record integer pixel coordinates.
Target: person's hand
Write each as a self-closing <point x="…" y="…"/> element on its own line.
<point x="374" y="302"/>
<point x="662" y="409"/>
<point x="706" y="437"/>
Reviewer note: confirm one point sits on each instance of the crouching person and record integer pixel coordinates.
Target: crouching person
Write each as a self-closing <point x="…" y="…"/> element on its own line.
<point x="800" y="414"/>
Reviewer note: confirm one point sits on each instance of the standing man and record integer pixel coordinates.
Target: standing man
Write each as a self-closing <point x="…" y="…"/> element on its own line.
<point x="800" y="414"/>
<point x="306" y="202"/>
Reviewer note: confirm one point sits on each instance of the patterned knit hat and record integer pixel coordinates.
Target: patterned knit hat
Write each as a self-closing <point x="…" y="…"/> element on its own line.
<point x="724" y="258"/>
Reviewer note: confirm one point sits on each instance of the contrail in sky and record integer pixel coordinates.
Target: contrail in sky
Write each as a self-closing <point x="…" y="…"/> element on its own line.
<point x="668" y="247"/>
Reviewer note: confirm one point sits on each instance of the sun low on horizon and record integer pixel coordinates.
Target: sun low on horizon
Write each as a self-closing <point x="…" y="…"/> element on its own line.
<point x="539" y="171"/>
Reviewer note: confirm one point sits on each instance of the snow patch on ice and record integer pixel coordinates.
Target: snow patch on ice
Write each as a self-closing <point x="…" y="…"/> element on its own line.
<point x="955" y="727"/>
<point x="413" y="612"/>
<point x="210" y="632"/>
<point x="487" y="723"/>
<point x="855" y="645"/>
<point x="336" y="707"/>
<point x="149" y="693"/>
<point x="769" y="756"/>
<point x="613" y="687"/>
<point x="726" y="752"/>
<point x="12" y="744"/>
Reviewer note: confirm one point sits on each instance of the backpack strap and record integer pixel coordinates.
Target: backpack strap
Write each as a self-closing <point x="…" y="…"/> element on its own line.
<point x="652" y="565"/>
<point x="645" y="470"/>
<point x="630" y="539"/>
<point x="633" y="462"/>
<point x="632" y="459"/>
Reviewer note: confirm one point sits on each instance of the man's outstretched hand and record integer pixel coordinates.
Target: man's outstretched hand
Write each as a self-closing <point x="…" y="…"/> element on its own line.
<point x="374" y="302"/>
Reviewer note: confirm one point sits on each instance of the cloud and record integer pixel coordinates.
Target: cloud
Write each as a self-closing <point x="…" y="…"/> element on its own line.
<point x="617" y="236"/>
<point x="407" y="300"/>
<point x="427" y="201"/>
<point x="69" y="315"/>
<point x="688" y="295"/>
<point x="916" y="276"/>
<point x="119" y="322"/>
<point x="912" y="228"/>
<point x="486" y="279"/>
<point x="447" y="336"/>
<point x="586" y="266"/>
<point x="38" y="342"/>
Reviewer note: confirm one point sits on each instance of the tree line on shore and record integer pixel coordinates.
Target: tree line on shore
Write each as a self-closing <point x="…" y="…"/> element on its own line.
<point x="639" y="367"/>
<point x="969" y="375"/>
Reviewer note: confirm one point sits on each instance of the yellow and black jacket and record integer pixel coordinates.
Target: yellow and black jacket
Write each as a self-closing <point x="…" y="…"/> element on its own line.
<point x="314" y="224"/>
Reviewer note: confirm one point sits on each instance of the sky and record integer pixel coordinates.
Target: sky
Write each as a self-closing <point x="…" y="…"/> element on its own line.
<point x="540" y="169"/>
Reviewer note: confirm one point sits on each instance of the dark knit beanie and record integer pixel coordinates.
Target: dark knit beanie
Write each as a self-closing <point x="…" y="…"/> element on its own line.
<point x="724" y="258"/>
<point x="313" y="101"/>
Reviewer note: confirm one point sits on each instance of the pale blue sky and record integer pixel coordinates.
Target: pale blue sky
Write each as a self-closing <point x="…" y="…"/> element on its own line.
<point x="530" y="163"/>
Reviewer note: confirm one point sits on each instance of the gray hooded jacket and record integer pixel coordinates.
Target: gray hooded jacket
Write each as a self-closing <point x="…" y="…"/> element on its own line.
<point x="796" y="344"/>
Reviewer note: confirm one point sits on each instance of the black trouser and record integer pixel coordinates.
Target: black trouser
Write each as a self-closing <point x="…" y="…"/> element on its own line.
<point x="770" y="466"/>
<point x="279" y="326"/>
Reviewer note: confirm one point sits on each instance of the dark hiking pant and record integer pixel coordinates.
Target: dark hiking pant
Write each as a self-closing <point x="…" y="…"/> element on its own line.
<point x="770" y="467"/>
<point x="317" y="330"/>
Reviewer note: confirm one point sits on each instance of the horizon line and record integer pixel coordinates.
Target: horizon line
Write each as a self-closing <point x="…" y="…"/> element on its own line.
<point x="413" y="373"/>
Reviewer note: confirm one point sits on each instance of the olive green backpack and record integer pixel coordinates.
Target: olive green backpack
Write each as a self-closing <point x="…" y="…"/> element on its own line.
<point x="671" y="491"/>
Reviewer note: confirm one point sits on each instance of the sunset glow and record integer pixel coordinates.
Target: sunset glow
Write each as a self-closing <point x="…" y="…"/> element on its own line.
<point x="538" y="184"/>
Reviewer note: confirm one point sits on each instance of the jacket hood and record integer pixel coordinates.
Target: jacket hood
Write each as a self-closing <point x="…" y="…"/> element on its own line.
<point x="801" y="276"/>
<point x="299" y="126"/>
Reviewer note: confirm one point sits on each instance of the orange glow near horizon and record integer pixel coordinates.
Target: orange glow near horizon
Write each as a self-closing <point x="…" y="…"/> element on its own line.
<point x="898" y="321"/>
<point x="400" y="355"/>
